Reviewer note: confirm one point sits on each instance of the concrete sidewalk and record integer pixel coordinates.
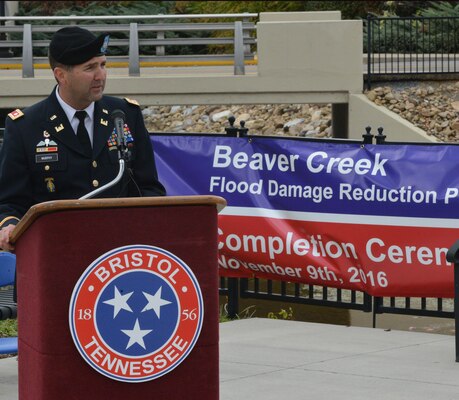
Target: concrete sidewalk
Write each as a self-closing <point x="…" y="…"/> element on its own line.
<point x="264" y="359"/>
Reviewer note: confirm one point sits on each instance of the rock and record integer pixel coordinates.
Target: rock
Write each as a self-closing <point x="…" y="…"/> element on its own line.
<point x="316" y="115"/>
<point x="389" y="96"/>
<point x="220" y="115"/>
<point x="371" y="95"/>
<point x="175" y="109"/>
<point x="148" y="112"/>
<point x="294" y="122"/>
<point x="243" y="117"/>
<point x="294" y="130"/>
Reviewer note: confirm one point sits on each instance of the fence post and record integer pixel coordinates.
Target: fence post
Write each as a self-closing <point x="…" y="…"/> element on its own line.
<point x="231" y="130"/>
<point x="380" y="138"/>
<point x="27" y="52"/>
<point x="246" y="34"/>
<point x="453" y="257"/>
<point x="233" y="297"/>
<point x="367" y="136"/>
<point x="160" y="50"/>
<point x="239" y="66"/>
<point x="134" y="62"/>
<point x="368" y="52"/>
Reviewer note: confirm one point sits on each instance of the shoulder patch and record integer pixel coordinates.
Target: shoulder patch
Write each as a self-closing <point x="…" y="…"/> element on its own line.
<point x="132" y="101"/>
<point x="15" y="114"/>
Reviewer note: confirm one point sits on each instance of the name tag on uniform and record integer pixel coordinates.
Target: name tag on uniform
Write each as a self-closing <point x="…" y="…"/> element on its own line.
<point x="41" y="158"/>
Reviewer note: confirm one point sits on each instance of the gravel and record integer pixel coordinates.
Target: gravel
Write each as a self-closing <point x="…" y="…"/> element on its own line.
<point x="432" y="106"/>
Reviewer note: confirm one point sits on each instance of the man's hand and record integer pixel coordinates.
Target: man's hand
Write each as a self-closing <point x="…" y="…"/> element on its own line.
<point x="5" y="234"/>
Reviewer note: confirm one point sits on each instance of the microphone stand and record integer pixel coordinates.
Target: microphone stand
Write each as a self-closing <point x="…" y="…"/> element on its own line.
<point x="107" y="185"/>
<point x="123" y="154"/>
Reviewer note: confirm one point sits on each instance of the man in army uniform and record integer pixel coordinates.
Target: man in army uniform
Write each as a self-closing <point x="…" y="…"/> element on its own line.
<point x="48" y="154"/>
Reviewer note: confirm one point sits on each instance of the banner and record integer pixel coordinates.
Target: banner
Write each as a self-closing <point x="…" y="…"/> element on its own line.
<point x="376" y="218"/>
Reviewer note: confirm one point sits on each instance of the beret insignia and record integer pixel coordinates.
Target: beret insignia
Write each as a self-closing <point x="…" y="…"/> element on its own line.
<point x="132" y="101"/>
<point x="104" y="47"/>
<point x="15" y="114"/>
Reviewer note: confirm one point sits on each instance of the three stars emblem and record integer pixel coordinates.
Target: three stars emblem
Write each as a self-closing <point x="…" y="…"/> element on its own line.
<point x="120" y="302"/>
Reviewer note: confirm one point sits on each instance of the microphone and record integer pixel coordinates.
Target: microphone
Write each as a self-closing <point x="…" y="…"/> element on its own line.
<point x="118" y="118"/>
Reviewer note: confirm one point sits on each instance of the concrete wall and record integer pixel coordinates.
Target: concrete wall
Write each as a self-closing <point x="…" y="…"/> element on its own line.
<point x="300" y="16"/>
<point x="363" y="113"/>
<point x="324" y="55"/>
<point x="11" y="7"/>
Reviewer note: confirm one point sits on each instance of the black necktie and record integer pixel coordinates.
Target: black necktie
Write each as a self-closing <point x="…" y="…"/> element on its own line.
<point x="82" y="133"/>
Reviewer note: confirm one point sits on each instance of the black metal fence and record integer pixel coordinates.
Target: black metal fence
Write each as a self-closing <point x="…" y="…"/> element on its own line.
<point x="288" y="292"/>
<point x="411" y="46"/>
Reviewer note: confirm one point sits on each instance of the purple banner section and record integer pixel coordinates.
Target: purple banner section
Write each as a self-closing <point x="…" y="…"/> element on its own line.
<point x="313" y="176"/>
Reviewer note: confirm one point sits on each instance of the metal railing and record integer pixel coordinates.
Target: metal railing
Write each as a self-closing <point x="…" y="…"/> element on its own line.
<point x="146" y="34"/>
<point x="264" y="289"/>
<point x="267" y="289"/>
<point x="411" y="46"/>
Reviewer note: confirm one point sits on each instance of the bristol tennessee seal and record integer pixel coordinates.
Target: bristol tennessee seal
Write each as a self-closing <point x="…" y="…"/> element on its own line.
<point x="136" y="313"/>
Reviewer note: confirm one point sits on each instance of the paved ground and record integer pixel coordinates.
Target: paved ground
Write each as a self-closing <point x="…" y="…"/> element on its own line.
<point x="265" y="359"/>
<point x="268" y="359"/>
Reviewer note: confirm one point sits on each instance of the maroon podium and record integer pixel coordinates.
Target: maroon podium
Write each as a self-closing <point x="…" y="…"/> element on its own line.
<point x="57" y="241"/>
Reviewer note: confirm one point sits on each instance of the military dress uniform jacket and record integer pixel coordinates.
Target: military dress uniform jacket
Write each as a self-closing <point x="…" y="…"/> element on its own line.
<point x="41" y="158"/>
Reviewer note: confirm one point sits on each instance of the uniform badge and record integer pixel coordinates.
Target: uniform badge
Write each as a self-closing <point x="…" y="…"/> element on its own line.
<point x="136" y="313"/>
<point x="47" y="152"/>
<point x="59" y="128"/>
<point x="104" y="122"/>
<point x="50" y="185"/>
<point x="112" y="141"/>
<point x="127" y="135"/>
<point x="46" y="146"/>
<point x="53" y="117"/>
<point x="15" y="114"/>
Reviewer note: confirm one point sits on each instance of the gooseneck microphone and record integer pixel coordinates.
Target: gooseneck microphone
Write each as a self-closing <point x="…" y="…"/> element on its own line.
<point x="118" y="117"/>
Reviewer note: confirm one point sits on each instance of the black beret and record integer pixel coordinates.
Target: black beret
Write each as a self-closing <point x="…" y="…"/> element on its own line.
<point x="73" y="45"/>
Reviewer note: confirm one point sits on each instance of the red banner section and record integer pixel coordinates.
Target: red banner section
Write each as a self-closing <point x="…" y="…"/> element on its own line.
<point x="381" y="260"/>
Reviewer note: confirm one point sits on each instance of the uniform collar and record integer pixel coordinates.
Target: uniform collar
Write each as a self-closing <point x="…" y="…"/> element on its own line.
<point x="70" y="111"/>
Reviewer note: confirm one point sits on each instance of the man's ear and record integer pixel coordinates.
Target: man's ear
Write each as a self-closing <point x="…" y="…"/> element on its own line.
<point x="59" y="74"/>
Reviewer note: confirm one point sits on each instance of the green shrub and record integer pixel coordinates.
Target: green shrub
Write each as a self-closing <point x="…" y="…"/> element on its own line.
<point x="8" y="327"/>
<point x="413" y="35"/>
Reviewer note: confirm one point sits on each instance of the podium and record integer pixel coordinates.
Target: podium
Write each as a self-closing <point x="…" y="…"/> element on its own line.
<point x="61" y="245"/>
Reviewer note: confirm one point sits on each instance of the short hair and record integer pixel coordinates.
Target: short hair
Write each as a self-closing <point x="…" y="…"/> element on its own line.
<point x="54" y="64"/>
